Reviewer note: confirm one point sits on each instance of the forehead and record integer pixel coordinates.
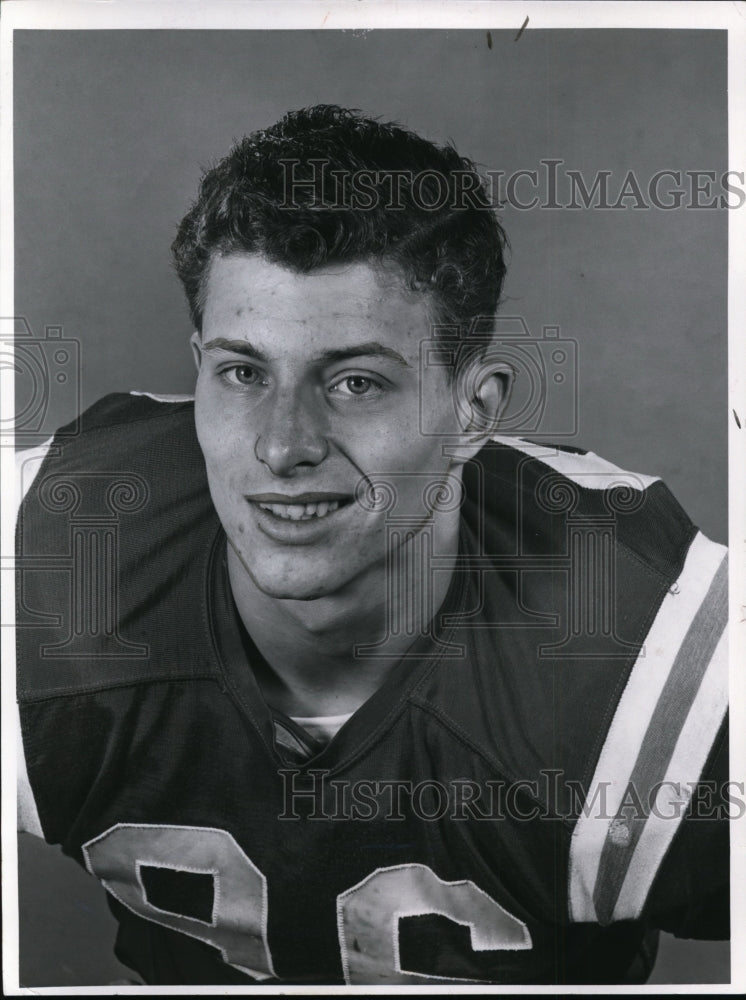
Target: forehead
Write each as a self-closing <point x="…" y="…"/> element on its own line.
<point x="333" y="303"/>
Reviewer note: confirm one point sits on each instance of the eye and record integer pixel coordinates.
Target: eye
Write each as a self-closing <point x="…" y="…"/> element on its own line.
<point x="356" y="385"/>
<point x="241" y="375"/>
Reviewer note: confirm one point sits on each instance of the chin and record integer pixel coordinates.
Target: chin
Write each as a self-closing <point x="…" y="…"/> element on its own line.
<point x="290" y="583"/>
<point x="290" y="591"/>
<point x="302" y="573"/>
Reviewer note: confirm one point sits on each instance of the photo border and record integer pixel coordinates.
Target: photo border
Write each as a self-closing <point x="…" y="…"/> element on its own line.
<point x="369" y="14"/>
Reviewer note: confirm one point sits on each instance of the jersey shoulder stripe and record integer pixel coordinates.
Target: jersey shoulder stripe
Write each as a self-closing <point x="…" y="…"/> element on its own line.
<point x="582" y="467"/>
<point x="164" y="397"/>
<point x="582" y="488"/>
<point x="657" y="745"/>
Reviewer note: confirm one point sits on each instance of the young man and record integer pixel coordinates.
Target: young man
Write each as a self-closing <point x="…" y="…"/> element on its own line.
<point x="348" y="688"/>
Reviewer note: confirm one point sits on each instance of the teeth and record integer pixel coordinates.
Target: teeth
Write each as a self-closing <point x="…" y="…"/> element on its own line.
<point x="301" y="511"/>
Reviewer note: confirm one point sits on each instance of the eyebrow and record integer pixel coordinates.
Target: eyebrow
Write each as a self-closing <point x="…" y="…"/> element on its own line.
<point x="370" y="348"/>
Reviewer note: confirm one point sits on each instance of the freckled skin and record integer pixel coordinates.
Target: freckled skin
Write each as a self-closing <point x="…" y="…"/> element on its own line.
<point x="309" y="438"/>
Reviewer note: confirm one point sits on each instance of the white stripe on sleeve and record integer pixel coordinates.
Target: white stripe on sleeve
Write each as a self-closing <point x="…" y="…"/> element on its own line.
<point x="664" y="726"/>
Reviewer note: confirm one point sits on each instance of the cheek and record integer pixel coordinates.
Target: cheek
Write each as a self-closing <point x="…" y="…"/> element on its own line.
<point x="226" y="465"/>
<point x="221" y="465"/>
<point x="441" y="410"/>
<point x="383" y="439"/>
<point x="418" y="452"/>
<point x="221" y="437"/>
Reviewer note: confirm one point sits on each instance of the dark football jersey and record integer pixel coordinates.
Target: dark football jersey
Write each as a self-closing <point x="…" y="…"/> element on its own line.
<point x="536" y="786"/>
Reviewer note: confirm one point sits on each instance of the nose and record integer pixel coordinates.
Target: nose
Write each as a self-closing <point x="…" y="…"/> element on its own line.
<point x="292" y="436"/>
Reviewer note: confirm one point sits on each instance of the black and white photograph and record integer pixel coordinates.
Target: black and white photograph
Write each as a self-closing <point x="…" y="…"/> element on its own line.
<point x="373" y="496"/>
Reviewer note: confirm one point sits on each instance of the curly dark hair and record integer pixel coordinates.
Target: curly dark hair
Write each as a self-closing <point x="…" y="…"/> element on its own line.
<point x="327" y="185"/>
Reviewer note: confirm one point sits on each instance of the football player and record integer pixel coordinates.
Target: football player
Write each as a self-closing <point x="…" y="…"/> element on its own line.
<point x="324" y="679"/>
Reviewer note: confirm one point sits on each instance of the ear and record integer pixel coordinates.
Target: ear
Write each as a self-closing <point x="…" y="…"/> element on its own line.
<point x="483" y="404"/>
<point x="491" y="398"/>
<point x="196" y="341"/>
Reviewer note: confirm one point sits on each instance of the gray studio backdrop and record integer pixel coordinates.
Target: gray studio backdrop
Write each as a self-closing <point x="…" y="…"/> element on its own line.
<point x="112" y="129"/>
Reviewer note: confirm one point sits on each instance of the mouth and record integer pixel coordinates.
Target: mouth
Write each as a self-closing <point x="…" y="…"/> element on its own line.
<point x="308" y="507"/>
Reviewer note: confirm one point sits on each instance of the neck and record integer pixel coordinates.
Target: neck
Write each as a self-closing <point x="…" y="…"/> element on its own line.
<point x="314" y="663"/>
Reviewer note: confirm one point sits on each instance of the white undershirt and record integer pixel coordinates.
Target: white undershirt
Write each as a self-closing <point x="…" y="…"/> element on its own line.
<point x="321" y="727"/>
